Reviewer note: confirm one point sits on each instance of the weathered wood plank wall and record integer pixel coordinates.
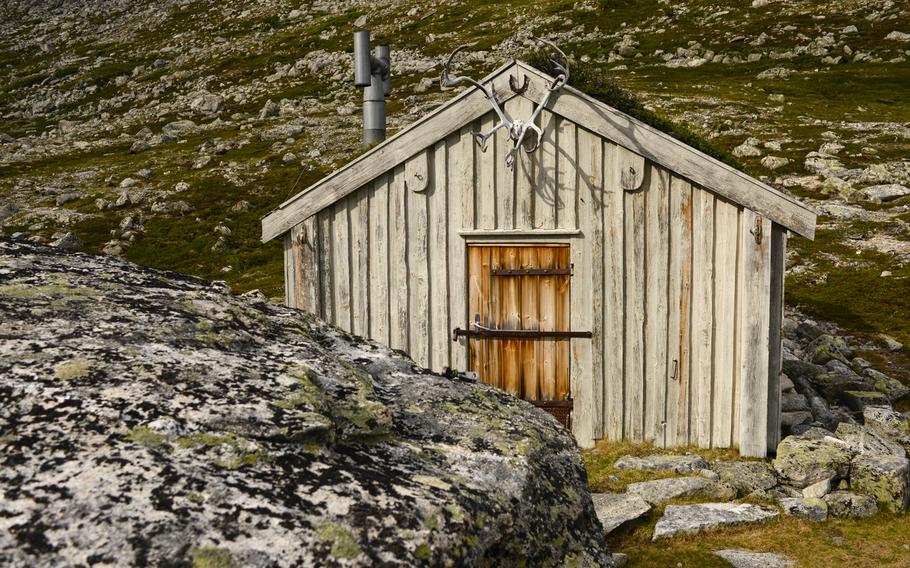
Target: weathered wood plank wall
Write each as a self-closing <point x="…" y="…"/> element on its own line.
<point x="675" y="282"/>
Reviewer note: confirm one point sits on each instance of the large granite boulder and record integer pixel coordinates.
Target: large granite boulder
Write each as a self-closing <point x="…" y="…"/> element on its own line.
<point x="812" y="457"/>
<point x="156" y="419"/>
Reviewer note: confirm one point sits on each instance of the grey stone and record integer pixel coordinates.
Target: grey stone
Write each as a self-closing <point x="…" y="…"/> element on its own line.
<point x="659" y="462"/>
<point x="790" y="419"/>
<point x="810" y="509"/>
<point x="156" y="416"/>
<point x="69" y="241"/>
<point x="745" y="476"/>
<point x="615" y="509"/>
<point x="749" y="559"/>
<point x="887" y="478"/>
<point x="774" y="494"/>
<point x="888" y="422"/>
<point x="793" y="402"/>
<point x="866" y="441"/>
<point x="179" y="127"/>
<point x="270" y="109"/>
<point x="774" y="162"/>
<point x="620" y="560"/>
<point x="858" y="400"/>
<point x="805" y="459"/>
<point x="884" y="193"/>
<point x="827" y="347"/>
<point x="786" y="384"/>
<point x="818" y="489"/>
<point x="207" y="103"/>
<point x="892" y="388"/>
<point x="139" y="146"/>
<point x="690" y="519"/>
<point x="660" y="490"/>
<point x="891" y="343"/>
<point x="847" y="505"/>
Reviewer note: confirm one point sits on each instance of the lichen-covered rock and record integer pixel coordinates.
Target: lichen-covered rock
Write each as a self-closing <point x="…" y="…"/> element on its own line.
<point x="812" y="509"/>
<point x="615" y="509"/>
<point x="690" y="519"/>
<point x="806" y="459"/>
<point x="749" y="559"/>
<point x="657" y="491"/>
<point x="746" y="476"/>
<point x="847" y="505"/>
<point x="155" y="419"/>
<point x="677" y="464"/>
<point x="866" y="441"/>
<point x="890" y="387"/>
<point x="888" y="422"/>
<point x="887" y="478"/>
<point x="825" y="347"/>
<point x="858" y="400"/>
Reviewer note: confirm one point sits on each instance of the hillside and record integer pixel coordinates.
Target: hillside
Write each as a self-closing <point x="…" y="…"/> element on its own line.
<point x="163" y="131"/>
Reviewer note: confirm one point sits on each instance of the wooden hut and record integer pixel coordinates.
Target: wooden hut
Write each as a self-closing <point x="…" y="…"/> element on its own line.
<point x="615" y="270"/>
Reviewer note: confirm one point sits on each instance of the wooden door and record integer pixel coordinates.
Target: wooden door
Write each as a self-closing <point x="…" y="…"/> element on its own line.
<point x="523" y="289"/>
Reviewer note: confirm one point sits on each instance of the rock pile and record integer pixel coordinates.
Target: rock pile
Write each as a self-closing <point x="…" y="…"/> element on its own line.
<point x="151" y="418"/>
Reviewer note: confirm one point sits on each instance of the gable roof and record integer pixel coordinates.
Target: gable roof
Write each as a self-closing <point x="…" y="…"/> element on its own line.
<point x="570" y="103"/>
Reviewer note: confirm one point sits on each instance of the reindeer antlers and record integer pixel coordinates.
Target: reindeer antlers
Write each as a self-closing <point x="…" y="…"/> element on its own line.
<point x="517" y="129"/>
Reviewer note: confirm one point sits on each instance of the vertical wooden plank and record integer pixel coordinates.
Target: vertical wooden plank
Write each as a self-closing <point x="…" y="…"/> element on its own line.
<point x="563" y="323"/>
<point x="341" y="264"/>
<point x="379" y="260"/>
<point x="306" y="277"/>
<point x="593" y="216"/>
<point x="497" y="315"/>
<point x="566" y="175"/>
<point x="526" y="166"/>
<point x="460" y="193"/>
<point x="399" y="281"/>
<point x="546" y="189"/>
<point x="656" y="274"/>
<point x="529" y="321"/>
<point x="725" y="246"/>
<point x="738" y="327"/>
<point x="547" y="353"/>
<point x="505" y="176"/>
<point x="475" y="306"/>
<point x="437" y="258"/>
<point x="511" y="319"/>
<point x="290" y="269"/>
<point x="755" y="233"/>
<point x="584" y="375"/>
<point x="326" y="275"/>
<point x="419" y="300"/>
<point x="359" y="215"/>
<point x="485" y="193"/>
<point x="679" y="313"/>
<point x="488" y="317"/>
<point x="778" y="267"/>
<point x="614" y="300"/>
<point x="634" y="349"/>
<point x="702" y="315"/>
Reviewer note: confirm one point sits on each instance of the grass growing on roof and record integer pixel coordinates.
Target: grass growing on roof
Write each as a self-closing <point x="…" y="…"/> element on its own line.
<point x="594" y="82"/>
